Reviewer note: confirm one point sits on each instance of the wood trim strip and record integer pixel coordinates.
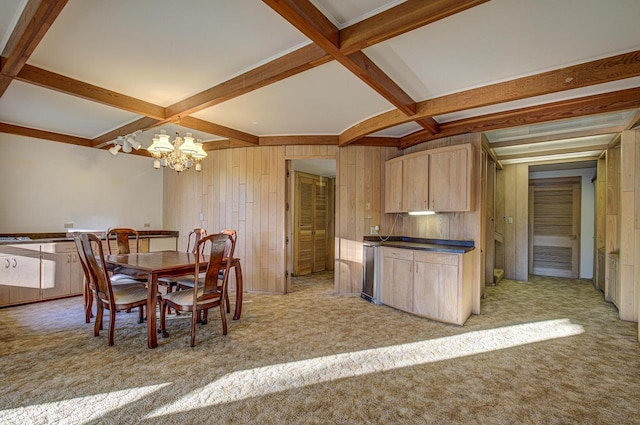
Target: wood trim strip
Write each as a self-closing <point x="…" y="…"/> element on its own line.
<point x="51" y="80"/>
<point x="45" y="135"/>
<point x="600" y="71"/>
<point x="590" y="105"/>
<point x="564" y="136"/>
<point x="398" y="20"/>
<point x="298" y="140"/>
<point x="554" y="152"/>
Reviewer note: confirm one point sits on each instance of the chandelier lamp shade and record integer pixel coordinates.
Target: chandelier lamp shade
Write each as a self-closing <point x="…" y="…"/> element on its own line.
<point x="179" y="155"/>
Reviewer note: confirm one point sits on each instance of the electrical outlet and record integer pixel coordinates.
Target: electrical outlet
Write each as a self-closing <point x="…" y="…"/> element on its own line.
<point x="201" y="216"/>
<point x="68" y="225"/>
<point x="147" y="225"/>
<point x="374" y="230"/>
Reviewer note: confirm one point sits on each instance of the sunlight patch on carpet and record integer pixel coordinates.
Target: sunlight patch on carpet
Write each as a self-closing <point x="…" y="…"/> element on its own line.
<point x="74" y="411"/>
<point x="265" y="380"/>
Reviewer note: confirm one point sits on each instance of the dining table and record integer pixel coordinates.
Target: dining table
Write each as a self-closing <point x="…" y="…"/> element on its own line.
<point x="154" y="265"/>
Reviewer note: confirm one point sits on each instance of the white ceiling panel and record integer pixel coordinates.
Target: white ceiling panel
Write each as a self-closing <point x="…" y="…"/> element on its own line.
<point x="398" y="130"/>
<point x="325" y="100"/>
<point x="31" y="106"/>
<point x="505" y="39"/>
<point x="162" y="51"/>
<point x="344" y="13"/>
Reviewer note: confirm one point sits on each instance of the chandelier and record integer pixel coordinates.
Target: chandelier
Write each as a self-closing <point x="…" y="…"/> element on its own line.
<point x="179" y="155"/>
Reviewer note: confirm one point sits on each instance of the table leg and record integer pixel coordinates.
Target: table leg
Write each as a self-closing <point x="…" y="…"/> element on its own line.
<point x="152" y="301"/>
<point x="238" y="311"/>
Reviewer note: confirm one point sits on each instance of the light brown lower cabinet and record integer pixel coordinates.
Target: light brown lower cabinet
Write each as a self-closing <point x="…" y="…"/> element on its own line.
<point x="426" y="283"/>
<point x="62" y="273"/>
<point x="19" y="273"/>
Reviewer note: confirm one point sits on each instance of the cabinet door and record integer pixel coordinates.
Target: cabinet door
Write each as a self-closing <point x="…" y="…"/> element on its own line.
<point x="436" y="289"/>
<point x="415" y="188"/>
<point x="397" y="278"/>
<point x="19" y="274"/>
<point x="393" y="186"/>
<point x="56" y="274"/>
<point x="449" y="183"/>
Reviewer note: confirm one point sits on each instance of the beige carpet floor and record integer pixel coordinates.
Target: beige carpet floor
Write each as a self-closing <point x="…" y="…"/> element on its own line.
<point x="551" y="351"/>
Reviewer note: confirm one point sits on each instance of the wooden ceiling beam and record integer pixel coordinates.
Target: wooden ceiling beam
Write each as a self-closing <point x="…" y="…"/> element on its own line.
<point x="556" y="137"/>
<point x="619" y="67"/>
<point x="219" y="130"/>
<point x="548" y="152"/>
<point x="398" y="20"/>
<point x="45" y="135"/>
<point x="572" y="108"/>
<point x="141" y="124"/>
<point x="60" y="83"/>
<point x="34" y="22"/>
<point x="312" y="23"/>
<point x="293" y="63"/>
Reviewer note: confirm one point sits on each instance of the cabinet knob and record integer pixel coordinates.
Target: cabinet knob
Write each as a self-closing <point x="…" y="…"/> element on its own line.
<point x="74" y="258"/>
<point x="6" y="263"/>
<point x="15" y="263"/>
<point x="68" y="258"/>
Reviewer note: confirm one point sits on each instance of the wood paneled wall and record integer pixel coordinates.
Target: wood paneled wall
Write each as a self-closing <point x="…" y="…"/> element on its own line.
<point x="612" y="209"/>
<point x="630" y="225"/>
<point x="359" y="184"/>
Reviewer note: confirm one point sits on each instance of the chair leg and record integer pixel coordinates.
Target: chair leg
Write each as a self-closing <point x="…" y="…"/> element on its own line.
<point x="223" y="317"/>
<point x="88" y="304"/>
<point x="97" y="326"/>
<point x="204" y="319"/>
<point x="163" y="318"/>
<point x="141" y="314"/>
<point x="112" y="326"/>
<point x="226" y="299"/>
<point x="194" y="319"/>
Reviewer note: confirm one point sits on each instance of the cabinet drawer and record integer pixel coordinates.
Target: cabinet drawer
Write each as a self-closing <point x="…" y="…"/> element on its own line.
<point x="436" y="258"/>
<point x="397" y="253"/>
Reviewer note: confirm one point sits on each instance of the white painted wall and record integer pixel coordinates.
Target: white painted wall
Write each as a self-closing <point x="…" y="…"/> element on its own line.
<point x="45" y="184"/>
<point x="587" y="212"/>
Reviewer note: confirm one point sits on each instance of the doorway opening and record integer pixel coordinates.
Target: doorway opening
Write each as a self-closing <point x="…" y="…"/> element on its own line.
<point x="554" y="226"/>
<point x="310" y="218"/>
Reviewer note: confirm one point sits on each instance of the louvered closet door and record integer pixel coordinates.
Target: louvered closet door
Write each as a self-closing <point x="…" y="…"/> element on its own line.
<point x="320" y="226"/>
<point x="555" y="221"/>
<point x="303" y="231"/>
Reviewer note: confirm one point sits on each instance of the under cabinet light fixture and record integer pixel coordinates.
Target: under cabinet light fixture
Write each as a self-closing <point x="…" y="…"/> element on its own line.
<point x="421" y="212"/>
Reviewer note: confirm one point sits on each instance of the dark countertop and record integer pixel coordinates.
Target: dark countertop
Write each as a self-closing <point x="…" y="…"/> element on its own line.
<point x="44" y="237"/>
<point x="434" y="245"/>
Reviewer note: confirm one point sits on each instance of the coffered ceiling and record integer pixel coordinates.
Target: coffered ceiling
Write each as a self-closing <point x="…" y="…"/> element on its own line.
<point x="541" y="79"/>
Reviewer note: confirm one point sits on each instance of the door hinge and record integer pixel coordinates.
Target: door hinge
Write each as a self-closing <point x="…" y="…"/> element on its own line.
<point x="286" y="205"/>
<point x="286" y="274"/>
<point x="286" y="240"/>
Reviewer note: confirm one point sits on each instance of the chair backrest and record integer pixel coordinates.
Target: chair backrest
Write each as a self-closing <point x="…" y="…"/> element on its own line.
<point x="217" y="244"/>
<point x="195" y="235"/>
<point x="122" y="235"/>
<point x="231" y="243"/>
<point x="83" y="258"/>
<point x="99" y="275"/>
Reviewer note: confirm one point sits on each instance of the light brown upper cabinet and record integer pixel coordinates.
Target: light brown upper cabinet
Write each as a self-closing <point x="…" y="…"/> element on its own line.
<point x="437" y="180"/>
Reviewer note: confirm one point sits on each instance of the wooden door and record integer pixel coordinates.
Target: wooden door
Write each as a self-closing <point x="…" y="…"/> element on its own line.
<point x="415" y="185"/>
<point x="393" y="186"/>
<point x="449" y="187"/>
<point x="303" y="225"/>
<point x="310" y="224"/>
<point x="397" y="274"/>
<point x="554" y="220"/>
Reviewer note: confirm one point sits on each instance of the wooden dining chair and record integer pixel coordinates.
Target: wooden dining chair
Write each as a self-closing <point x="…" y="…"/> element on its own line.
<point x="112" y="297"/>
<point x="229" y="249"/>
<point x="192" y="246"/>
<point x="122" y="236"/>
<point x="206" y="296"/>
<point x="89" y="286"/>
